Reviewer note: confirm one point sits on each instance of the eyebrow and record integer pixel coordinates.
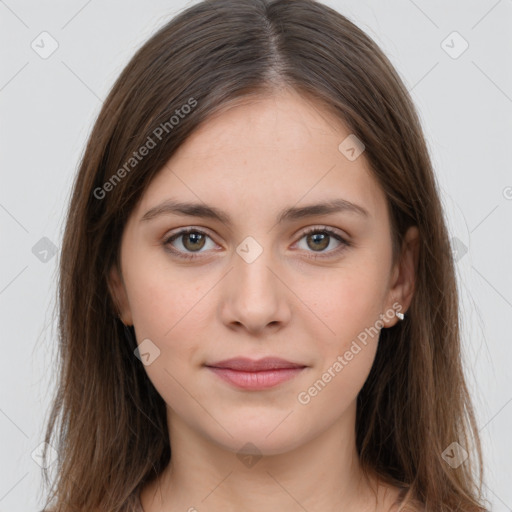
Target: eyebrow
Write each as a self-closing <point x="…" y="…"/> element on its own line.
<point x="202" y="210"/>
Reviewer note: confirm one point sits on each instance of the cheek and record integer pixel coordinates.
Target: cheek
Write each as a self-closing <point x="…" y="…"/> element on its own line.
<point x="349" y="304"/>
<point x="161" y="300"/>
<point x="334" y="390"/>
<point x="173" y="314"/>
<point x="347" y="301"/>
<point x="351" y="309"/>
<point x="169" y="312"/>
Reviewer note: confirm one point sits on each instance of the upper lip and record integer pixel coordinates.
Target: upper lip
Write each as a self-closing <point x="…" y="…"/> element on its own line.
<point x="252" y="365"/>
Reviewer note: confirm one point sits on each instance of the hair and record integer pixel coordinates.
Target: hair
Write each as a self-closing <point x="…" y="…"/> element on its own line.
<point x="107" y="422"/>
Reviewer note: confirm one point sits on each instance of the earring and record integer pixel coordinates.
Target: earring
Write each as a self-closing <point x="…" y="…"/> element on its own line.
<point x="400" y="315"/>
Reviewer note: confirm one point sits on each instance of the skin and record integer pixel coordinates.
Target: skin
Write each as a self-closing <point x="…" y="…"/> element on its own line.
<point x="252" y="161"/>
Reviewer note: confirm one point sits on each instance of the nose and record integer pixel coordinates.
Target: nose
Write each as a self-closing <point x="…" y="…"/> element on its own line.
<point x="254" y="295"/>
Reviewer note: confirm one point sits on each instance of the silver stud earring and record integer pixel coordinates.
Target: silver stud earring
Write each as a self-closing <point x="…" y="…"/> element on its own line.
<point x="400" y="315"/>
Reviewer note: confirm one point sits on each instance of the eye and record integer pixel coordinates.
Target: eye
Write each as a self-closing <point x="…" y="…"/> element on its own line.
<point x="192" y="240"/>
<point x="318" y="239"/>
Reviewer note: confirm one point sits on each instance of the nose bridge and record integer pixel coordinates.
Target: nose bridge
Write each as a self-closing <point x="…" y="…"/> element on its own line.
<point x="255" y="296"/>
<point x="251" y="270"/>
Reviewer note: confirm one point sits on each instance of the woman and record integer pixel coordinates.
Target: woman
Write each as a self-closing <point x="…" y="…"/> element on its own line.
<point x="258" y="307"/>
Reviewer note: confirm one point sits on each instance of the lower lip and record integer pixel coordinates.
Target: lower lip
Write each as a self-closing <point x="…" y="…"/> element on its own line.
<point x="256" y="380"/>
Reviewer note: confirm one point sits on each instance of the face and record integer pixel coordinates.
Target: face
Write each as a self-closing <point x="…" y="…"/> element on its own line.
<point x="264" y="278"/>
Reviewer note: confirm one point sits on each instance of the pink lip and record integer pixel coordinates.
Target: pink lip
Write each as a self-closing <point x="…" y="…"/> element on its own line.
<point x="255" y="375"/>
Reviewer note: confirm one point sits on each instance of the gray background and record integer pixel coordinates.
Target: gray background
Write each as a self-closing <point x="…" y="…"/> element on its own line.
<point x="48" y="106"/>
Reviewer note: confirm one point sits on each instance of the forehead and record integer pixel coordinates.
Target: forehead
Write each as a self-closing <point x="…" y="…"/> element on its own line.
<point x="267" y="152"/>
<point x="283" y="121"/>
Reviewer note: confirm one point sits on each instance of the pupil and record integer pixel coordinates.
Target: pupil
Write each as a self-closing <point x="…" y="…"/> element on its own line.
<point x="320" y="237"/>
<point x="193" y="240"/>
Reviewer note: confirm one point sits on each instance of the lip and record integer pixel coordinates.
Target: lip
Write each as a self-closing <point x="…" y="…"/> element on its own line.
<point x="245" y="364"/>
<point x="256" y="374"/>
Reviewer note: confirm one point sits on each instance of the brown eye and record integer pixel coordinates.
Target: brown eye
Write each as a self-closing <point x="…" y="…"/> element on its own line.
<point x="186" y="242"/>
<point x="193" y="241"/>
<point x="318" y="241"/>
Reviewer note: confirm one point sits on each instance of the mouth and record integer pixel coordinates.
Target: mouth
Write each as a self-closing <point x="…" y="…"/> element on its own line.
<point x="256" y="374"/>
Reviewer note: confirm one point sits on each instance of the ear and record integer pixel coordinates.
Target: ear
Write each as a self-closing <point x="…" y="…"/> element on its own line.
<point x="403" y="277"/>
<point x="118" y="293"/>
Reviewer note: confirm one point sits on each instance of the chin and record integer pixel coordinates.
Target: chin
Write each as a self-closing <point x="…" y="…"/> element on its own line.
<point x="261" y="439"/>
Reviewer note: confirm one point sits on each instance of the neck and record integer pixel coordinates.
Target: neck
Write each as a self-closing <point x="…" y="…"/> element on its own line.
<point x="321" y="474"/>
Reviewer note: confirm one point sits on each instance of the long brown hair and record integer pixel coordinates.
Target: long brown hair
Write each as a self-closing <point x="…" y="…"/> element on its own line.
<point x="108" y="423"/>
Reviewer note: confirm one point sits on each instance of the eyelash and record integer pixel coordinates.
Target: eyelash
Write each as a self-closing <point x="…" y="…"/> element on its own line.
<point x="324" y="229"/>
